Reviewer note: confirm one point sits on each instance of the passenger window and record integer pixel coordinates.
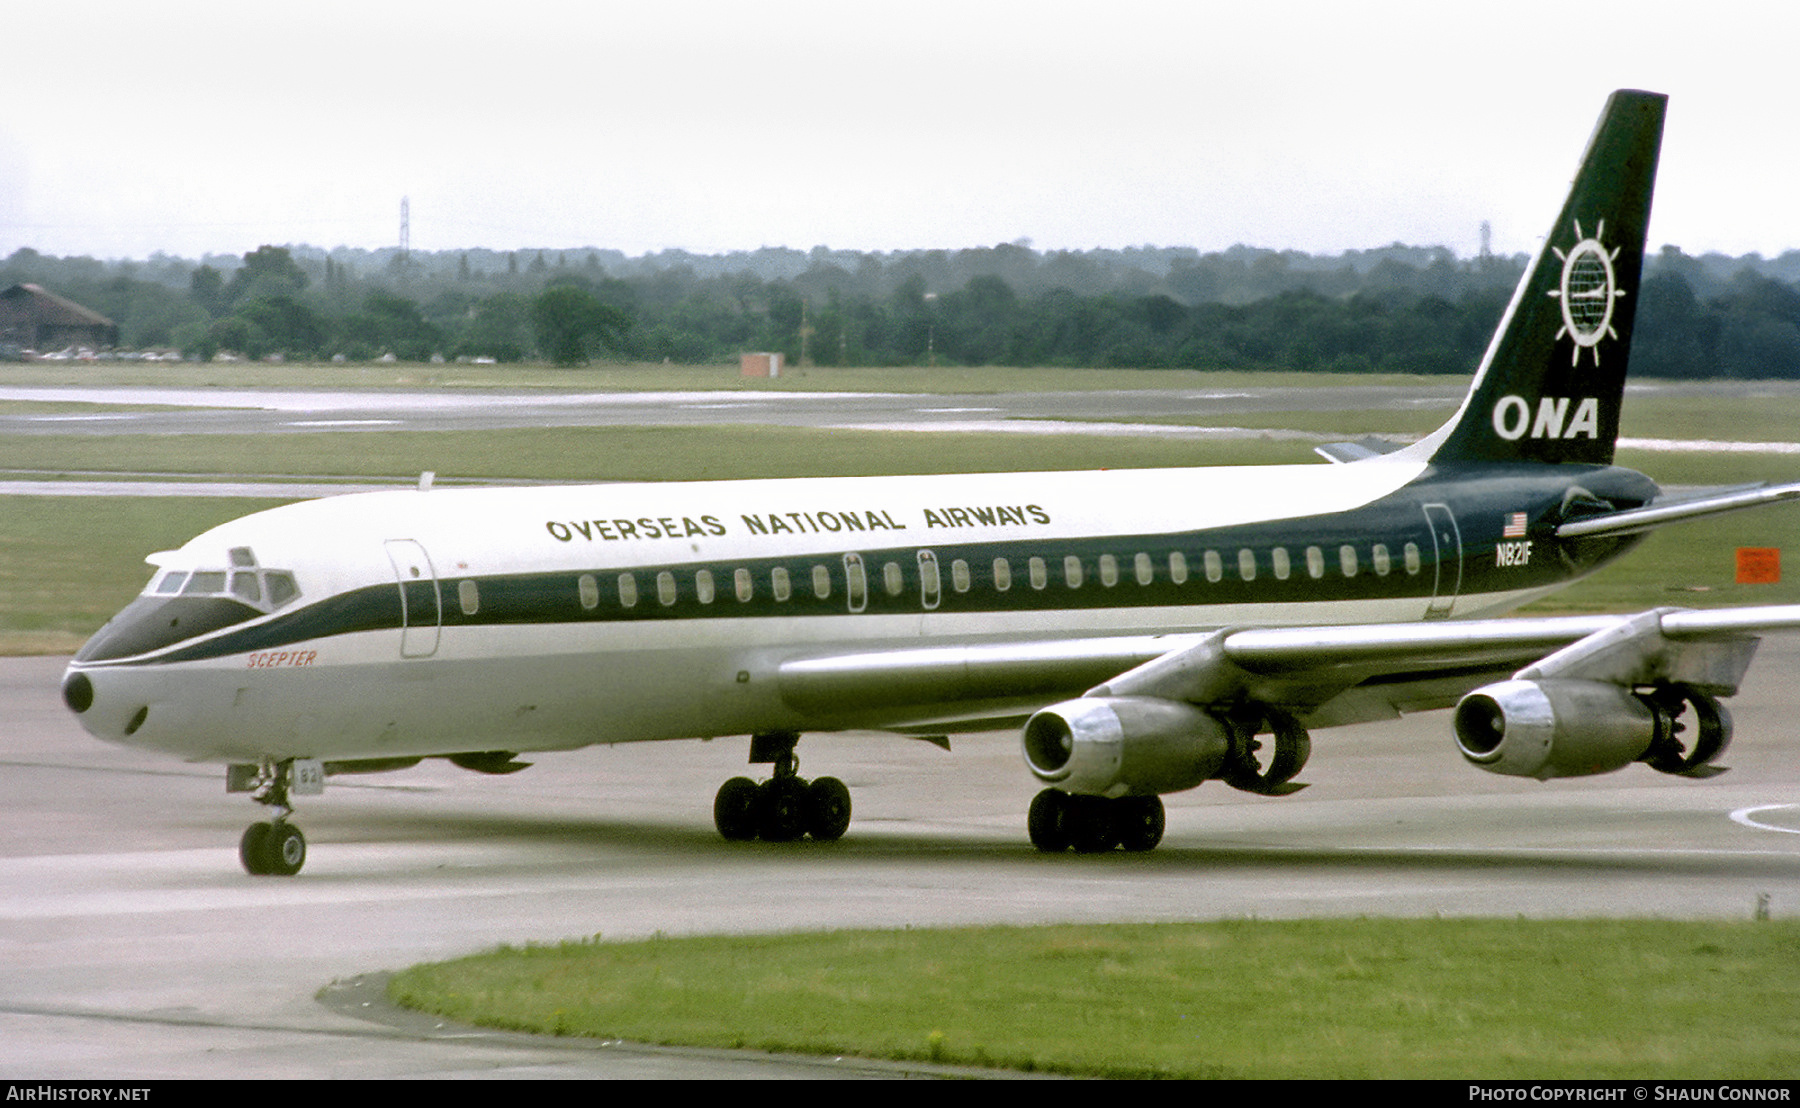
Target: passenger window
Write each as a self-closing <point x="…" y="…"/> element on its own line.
<point x="1178" y="567"/>
<point x="742" y="581"/>
<point x="469" y="596"/>
<point x="1382" y="562"/>
<point x="1347" y="560"/>
<point x="1411" y="554"/>
<point x="1247" y="564"/>
<point x="929" y="588"/>
<point x="779" y="583"/>
<point x="628" y="590"/>
<point x="821" y="582"/>
<point x="1215" y="567"/>
<point x="959" y="575"/>
<point x="703" y="586"/>
<point x="891" y="579"/>
<point x="1040" y="576"/>
<point x="1002" y="575"/>
<point x="589" y="590"/>
<point x="1146" y="572"/>
<point x="1109" y="570"/>
<point x="1072" y="571"/>
<point x="665" y="588"/>
<point x="1278" y="559"/>
<point x="1315" y="562"/>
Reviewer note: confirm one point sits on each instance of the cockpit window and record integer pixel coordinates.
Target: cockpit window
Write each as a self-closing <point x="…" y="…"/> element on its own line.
<point x="245" y="582"/>
<point x="204" y="583"/>
<point x="281" y="587"/>
<point x="179" y="605"/>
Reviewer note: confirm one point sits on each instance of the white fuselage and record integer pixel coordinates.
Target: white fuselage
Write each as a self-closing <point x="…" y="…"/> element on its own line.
<point x="557" y="617"/>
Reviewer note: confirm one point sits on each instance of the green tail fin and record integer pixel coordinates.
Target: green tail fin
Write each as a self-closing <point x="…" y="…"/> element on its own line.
<point x="1550" y="385"/>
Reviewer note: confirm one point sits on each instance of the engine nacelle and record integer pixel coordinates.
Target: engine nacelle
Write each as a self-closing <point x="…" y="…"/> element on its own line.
<point x="1556" y="728"/>
<point x="1124" y="745"/>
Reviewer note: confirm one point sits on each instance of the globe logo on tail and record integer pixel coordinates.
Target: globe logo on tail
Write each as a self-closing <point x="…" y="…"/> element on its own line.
<point x="1587" y="292"/>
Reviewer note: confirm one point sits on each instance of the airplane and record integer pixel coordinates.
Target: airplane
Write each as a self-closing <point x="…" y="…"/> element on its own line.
<point x="1147" y="630"/>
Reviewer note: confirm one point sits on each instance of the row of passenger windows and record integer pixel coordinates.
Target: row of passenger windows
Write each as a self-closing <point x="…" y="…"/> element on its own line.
<point x="782" y="583"/>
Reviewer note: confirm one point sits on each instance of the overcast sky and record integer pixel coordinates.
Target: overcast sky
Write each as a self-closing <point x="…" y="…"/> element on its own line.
<point x="207" y="126"/>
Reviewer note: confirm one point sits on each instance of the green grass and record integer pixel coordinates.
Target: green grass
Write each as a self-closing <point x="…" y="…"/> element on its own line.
<point x="622" y="453"/>
<point x="68" y="563"/>
<point x="1234" y="999"/>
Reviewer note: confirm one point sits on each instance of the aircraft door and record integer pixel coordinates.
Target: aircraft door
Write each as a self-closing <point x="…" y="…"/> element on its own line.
<point x="421" y="606"/>
<point x="1446" y="540"/>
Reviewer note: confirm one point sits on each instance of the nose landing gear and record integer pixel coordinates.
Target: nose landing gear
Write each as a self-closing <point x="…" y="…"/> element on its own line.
<point x="275" y="847"/>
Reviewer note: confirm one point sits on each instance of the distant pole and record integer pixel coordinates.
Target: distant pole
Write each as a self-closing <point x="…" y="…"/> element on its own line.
<point x="804" y="332"/>
<point x="405" y="230"/>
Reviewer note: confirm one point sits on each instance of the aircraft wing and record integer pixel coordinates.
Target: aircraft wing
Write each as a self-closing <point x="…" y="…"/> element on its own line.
<point x="1323" y="676"/>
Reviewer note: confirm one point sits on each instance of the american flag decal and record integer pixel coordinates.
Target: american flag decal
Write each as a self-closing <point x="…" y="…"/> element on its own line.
<point x="1515" y="526"/>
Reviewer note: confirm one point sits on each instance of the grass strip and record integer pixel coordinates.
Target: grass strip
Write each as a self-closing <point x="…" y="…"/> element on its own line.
<point x="1360" y="998"/>
<point x="617" y="453"/>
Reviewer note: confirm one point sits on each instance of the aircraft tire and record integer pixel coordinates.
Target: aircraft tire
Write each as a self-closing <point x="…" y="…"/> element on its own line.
<point x="827" y="809"/>
<point x="1047" y="821"/>
<point x="284" y="850"/>
<point x="784" y="809"/>
<point x="253" y="849"/>
<point x="737" y="810"/>
<point x="1092" y="828"/>
<point x="1139" y="821"/>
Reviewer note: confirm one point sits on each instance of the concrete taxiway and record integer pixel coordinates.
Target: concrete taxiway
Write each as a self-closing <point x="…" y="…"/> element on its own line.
<point x="133" y="410"/>
<point x="133" y="946"/>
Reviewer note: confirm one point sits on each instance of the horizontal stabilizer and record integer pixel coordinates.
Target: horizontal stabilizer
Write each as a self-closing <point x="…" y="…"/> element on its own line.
<point x="1660" y="512"/>
<point x="1366" y="447"/>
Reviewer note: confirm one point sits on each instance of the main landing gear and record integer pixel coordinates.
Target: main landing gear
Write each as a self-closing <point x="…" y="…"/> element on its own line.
<point x="275" y="847"/>
<point x="786" y="807"/>
<point x="1060" y="821"/>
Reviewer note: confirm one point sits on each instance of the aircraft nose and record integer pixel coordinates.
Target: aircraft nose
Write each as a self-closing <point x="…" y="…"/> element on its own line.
<point x="77" y="691"/>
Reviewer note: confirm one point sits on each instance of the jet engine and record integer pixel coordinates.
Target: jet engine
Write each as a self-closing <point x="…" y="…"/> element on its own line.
<point x="1125" y="745"/>
<point x="1574" y="728"/>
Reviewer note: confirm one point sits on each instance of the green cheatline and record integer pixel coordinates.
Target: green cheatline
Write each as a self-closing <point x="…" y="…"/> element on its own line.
<point x="1414" y="998"/>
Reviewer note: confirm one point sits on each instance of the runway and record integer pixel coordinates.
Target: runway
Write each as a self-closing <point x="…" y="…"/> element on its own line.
<point x="129" y="410"/>
<point x="134" y="947"/>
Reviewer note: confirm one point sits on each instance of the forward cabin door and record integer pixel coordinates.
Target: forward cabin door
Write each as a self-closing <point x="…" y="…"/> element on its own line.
<point x="1447" y="541"/>
<point x="421" y="607"/>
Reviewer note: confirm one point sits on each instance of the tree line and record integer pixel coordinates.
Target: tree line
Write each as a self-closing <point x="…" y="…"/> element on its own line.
<point x="1396" y="309"/>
